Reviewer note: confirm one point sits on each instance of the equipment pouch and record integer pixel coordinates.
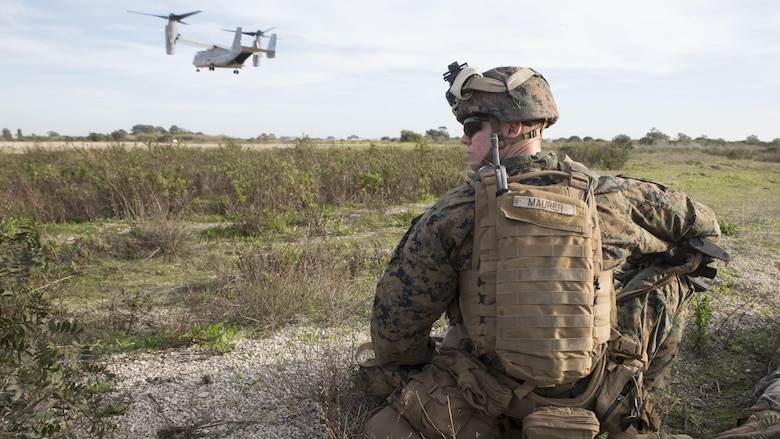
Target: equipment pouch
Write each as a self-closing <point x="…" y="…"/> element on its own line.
<point x="558" y="422"/>
<point x="432" y="404"/>
<point x="623" y="402"/>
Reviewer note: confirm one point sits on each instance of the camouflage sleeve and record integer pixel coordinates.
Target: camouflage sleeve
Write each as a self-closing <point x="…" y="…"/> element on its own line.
<point x="639" y="217"/>
<point x="420" y="281"/>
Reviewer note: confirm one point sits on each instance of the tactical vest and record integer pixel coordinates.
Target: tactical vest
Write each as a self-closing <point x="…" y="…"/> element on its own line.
<point x="535" y="295"/>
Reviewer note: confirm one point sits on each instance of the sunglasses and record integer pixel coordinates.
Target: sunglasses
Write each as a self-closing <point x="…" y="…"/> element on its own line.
<point x="473" y="125"/>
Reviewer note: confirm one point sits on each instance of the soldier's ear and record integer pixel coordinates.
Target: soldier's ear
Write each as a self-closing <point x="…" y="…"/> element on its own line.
<point x="514" y="129"/>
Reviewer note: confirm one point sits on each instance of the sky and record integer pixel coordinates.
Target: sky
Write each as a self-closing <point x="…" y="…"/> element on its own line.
<point x="374" y="68"/>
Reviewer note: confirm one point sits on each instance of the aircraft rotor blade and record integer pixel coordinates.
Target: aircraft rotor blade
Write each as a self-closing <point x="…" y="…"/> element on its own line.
<point x="151" y="15"/>
<point x="255" y="33"/>
<point x="181" y="17"/>
<point x="169" y="17"/>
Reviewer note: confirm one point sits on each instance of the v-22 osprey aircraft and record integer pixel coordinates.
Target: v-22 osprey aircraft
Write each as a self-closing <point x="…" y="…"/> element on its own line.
<point x="216" y="56"/>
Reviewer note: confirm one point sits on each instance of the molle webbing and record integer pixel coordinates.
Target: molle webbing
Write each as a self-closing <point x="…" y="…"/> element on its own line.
<point x="535" y="295"/>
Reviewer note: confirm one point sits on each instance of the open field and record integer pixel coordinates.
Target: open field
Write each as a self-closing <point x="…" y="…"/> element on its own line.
<point x="17" y="147"/>
<point x="275" y="283"/>
<point x="21" y="147"/>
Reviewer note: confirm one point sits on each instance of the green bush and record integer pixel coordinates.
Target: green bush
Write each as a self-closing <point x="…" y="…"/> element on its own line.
<point x="599" y="155"/>
<point x="257" y="189"/>
<point x="47" y="382"/>
<point x="728" y="228"/>
<point x="700" y="323"/>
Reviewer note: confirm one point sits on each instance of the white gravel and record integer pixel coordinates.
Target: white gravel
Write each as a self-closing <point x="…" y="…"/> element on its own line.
<point x="267" y="388"/>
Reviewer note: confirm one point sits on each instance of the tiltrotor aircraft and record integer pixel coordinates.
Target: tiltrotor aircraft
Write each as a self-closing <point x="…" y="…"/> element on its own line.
<point x="217" y="56"/>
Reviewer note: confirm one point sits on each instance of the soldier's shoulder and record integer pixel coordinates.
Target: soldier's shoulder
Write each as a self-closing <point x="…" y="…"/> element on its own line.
<point x="614" y="183"/>
<point x="608" y="183"/>
<point x="456" y="197"/>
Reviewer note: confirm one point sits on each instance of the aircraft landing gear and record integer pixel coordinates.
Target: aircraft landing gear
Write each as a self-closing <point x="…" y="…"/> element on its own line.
<point x="235" y="71"/>
<point x="211" y="67"/>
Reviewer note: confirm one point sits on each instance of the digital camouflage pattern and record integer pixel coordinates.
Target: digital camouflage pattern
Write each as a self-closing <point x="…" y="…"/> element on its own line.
<point x="656" y="322"/>
<point x="421" y="280"/>
<point x="764" y="420"/>
<point x="530" y="101"/>
<point x="769" y="386"/>
<point x="639" y="218"/>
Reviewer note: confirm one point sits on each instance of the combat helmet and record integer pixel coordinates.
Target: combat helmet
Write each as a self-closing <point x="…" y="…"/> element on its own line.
<point x="509" y="94"/>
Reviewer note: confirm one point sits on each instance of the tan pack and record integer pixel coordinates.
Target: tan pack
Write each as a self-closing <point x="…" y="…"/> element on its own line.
<point x="536" y="295"/>
<point x="561" y="422"/>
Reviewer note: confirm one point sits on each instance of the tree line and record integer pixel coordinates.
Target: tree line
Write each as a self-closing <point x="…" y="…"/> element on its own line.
<point x="151" y="133"/>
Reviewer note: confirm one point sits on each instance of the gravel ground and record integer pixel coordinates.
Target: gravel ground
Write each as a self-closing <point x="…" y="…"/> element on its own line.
<point x="265" y="388"/>
<point x="270" y="388"/>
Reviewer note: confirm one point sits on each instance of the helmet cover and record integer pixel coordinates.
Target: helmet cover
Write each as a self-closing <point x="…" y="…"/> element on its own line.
<point x="511" y="94"/>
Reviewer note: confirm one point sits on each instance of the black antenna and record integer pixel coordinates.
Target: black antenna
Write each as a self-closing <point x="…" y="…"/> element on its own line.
<point x="453" y="70"/>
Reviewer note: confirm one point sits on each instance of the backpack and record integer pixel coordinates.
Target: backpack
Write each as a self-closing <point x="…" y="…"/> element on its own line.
<point x="536" y="296"/>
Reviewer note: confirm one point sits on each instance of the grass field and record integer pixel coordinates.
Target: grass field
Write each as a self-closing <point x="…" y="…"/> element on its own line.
<point x="155" y="268"/>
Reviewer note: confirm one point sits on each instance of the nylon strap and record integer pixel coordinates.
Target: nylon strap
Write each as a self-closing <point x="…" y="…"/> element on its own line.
<point x="549" y="345"/>
<point x="471" y="79"/>
<point x="545" y="364"/>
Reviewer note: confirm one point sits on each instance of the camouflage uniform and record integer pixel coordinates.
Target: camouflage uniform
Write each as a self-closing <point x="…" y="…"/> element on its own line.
<point x="639" y="218"/>
<point x="769" y="386"/>
<point x="421" y="279"/>
<point x="636" y="217"/>
<point x="764" y="421"/>
<point x="450" y="392"/>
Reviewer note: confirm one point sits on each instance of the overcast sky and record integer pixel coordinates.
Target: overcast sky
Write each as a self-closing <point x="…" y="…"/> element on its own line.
<point x="374" y="68"/>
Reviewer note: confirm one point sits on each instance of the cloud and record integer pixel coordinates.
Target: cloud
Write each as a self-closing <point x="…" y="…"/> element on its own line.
<point x="348" y="66"/>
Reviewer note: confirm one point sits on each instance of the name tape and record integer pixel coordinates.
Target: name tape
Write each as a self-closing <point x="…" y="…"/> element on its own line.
<point x="546" y="205"/>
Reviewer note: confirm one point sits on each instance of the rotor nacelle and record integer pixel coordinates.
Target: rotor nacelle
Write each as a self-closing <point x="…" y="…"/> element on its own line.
<point x="171" y="33"/>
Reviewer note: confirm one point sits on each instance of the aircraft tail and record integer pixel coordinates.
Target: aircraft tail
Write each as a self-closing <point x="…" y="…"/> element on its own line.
<point x="237" y="41"/>
<point x="271" y="49"/>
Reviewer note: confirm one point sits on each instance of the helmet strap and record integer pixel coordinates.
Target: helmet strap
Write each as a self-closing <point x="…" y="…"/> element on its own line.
<point x="495" y="126"/>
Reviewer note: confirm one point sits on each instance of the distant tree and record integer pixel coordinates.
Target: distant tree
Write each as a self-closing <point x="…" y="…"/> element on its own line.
<point x="438" y="133"/>
<point x="174" y="130"/>
<point x="142" y="129"/>
<point x="53" y="134"/>
<point x="119" y="135"/>
<point x="410" y="136"/>
<point x="623" y="141"/>
<point x="574" y="139"/>
<point x="97" y="137"/>
<point x="7" y="134"/>
<point x="588" y="139"/>
<point x="683" y="139"/>
<point x="19" y="134"/>
<point x="266" y="137"/>
<point x="353" y="137"/>
<point x="752" y="140"/>
<point x="654" y="137"/>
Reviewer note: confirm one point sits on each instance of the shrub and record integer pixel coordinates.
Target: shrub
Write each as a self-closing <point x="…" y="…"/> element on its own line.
<point x="47" y="383"/>
<point x="599" y="155"/>
<point x="257" y="189"/>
